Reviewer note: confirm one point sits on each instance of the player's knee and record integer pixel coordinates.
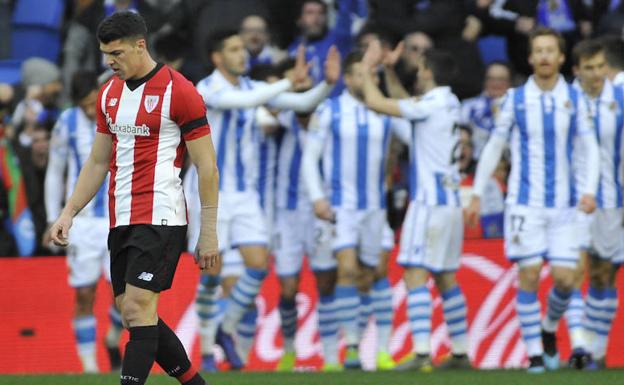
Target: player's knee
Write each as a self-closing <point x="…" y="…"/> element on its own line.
<point x="445" y="281"/>
<point x="326" y="282"/>
<point x="289" y="289"/>
<point x="528" y="278"/>
<point x="136" y="311"/>
<point x="599" y="279"/>
<point x="348" y="275"/>
<point x="84" y="301"/>
<point x="564" y="281"/>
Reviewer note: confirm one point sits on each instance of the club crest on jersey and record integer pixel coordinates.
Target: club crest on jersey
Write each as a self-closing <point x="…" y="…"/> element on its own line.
<point x="151" y="101"/>
<point x="112" y="102"/>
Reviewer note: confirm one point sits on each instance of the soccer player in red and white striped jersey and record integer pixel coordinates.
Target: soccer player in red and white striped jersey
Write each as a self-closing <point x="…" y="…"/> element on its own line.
<point x="147" y="115"/>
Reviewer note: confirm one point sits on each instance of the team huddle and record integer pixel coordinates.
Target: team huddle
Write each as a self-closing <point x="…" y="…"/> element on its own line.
<point x="303" y="175"/>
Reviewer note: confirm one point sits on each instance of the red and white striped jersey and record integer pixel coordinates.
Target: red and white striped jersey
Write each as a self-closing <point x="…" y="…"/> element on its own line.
<point x="149" y="119"/>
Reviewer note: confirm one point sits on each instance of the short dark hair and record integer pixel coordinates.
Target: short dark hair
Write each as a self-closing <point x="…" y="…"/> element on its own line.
<point x="543" y="31"/>
<point x="319" y="2"/>
<point x="83" y="82"/>
<point x="614" y="51"/>
<point x="171" y="47"/>
<point x="122" y="25"/>
<point x="382" y="34"/>
<point x="216" y="41"/>
<point x="586" y="49"/>
<point x="352" y="58"/>
<point x="264" y="71"/>
<point x="442" y="64"/>
<point x="501" y="63"/>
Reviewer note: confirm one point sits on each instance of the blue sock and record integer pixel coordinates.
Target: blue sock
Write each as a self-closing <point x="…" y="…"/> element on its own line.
<point x="84" y="331"/>
<point x="419" y="313"/>
<point x="528" y="309"/>
<point x="242" y="297"/>
<point x="347" y="304"/>
<point x="207" y="308"/>
<point x="382" y="308"/>
<point x="288" y="315"/>
<point x="574" y="318"/>
<point x="454" y="307"/>
<point x="365" y="311"/>
<point x="328" y="328"/>
<point x="557" y="305"/>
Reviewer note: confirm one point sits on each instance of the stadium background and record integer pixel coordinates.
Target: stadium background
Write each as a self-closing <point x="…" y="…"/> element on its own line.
<point x="36" y="303"/>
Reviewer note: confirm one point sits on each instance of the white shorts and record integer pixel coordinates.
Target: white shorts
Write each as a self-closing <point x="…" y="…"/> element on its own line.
<point x="300" y="233"/>
<point x="584" y="223"/>
<point x="607" y="233"/>
<point x="87" y="254"/>
<point x="387" y="242"/>
<point x="362" y="230"/>
<point x="240" y="221"/>
<point x="233" y="263"/>
<point x="432" y="238"/>
<point x="533" y="234"/>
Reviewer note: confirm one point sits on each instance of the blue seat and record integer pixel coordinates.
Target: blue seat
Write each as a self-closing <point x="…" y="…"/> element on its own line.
<point x="493" y="48"/>
<point x="34" y="41"/>
<point x="10" y="71"/>
<point x="40" y="13"/>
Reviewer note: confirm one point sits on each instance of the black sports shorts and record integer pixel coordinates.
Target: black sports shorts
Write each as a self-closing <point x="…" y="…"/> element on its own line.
<point x="144" y="256"/>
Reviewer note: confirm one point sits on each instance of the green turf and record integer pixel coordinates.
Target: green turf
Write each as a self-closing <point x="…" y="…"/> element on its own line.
<point x="508" y="377"/>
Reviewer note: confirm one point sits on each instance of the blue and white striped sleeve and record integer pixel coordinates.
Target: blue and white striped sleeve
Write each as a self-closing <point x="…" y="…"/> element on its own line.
<point x="505" y="118"/>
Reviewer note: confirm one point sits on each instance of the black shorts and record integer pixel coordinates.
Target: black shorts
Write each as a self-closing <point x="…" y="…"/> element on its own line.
<point x="145" y="256"/>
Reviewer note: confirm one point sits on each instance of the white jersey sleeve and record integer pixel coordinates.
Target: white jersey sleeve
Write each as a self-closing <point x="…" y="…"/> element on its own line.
<point x="402" y="129"/>
<point x="414" y="109"/>
<point x="302" y="101"/>
<point x="218" y="96"/>
<point x="585" y="130"/>
<point x="57" y="163"/>
<point x="318" y="130"/>
<point x="505" y="118"/>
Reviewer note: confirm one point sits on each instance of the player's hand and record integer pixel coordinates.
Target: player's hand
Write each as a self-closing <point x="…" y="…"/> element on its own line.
<point x="392" y="57"/>
<point x="332" y="65"/>
<point x="300" y="73"/>
<point x="471" y="215"/>
<point x="323" y="210"/>
<point x="587" y="204"/>
<point x="472" y="29"/>
<point x="59" y="231"/>
<point x="373" y="55"/>
<point x="208" y="261"/>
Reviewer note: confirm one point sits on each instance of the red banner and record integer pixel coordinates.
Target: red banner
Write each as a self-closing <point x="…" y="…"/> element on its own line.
<point x="36" y="309"/>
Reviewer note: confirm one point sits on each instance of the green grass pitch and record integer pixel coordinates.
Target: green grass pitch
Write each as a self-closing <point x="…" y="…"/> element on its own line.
<point x="490" y="377"/>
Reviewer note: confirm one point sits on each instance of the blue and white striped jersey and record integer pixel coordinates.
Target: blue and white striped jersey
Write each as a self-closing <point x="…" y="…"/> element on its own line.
<point x="478" y="114"/>
<point x="231" y="131"/>
<point x="542" y="126"/>
<point x="70" y="146"/>
<point x="265" y="166"/>
<point x="355" y="142"/>
<point x="607" y="116"/>
<point x="434" y="150"/>
<point x="291" y="192"/>
<point x="618" y="80"/>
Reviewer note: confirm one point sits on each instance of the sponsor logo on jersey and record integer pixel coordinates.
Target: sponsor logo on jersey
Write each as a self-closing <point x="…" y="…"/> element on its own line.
<point x="126" y="129"/>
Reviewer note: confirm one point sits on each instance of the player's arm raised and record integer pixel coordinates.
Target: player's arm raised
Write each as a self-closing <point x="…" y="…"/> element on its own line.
<point x="375" y="100"/>
<point x="90" y="179"/>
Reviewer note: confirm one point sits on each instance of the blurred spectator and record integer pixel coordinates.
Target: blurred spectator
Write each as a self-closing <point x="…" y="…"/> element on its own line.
<point x="478" y="113"/>
<point x="491" y="223"/>
<point x="514" y="19"/>
<point x="608" y="17"/>
<point x="174" y="50"/>
<point x="257" y="39"/>
<point x="5" y="28"/>
<point x="32" y="163"/>
<point x="318" y="38"/>
<point x="614" y="54"/>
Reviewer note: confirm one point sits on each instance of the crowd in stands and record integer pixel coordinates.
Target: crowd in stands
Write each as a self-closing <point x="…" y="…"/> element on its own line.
<point x="486" y="37"/>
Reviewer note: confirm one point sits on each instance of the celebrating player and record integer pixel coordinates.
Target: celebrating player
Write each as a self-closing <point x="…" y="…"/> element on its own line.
<point x="542" y="118"/>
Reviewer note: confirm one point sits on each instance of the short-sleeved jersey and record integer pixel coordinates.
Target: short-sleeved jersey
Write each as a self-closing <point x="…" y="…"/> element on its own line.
<point x="607" y="119"/>
<point x="355" y="142"/>
<point x="149" y="119"/>
<point x="266" y="166"/>
<point x="542" y="126"/>
<point x="70" y="146"/>
<point x="434" y="172"/>
<point x="618" y="80"/>
<point x="232" y="134"/>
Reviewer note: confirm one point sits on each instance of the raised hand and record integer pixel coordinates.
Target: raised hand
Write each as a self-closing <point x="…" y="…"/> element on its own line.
<point x="300" y="72"/>
<point x="472" y="212"/>
<point x="373" y="54"/>
<point x="332" y="65"/>
<point x="392" y="57"/>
